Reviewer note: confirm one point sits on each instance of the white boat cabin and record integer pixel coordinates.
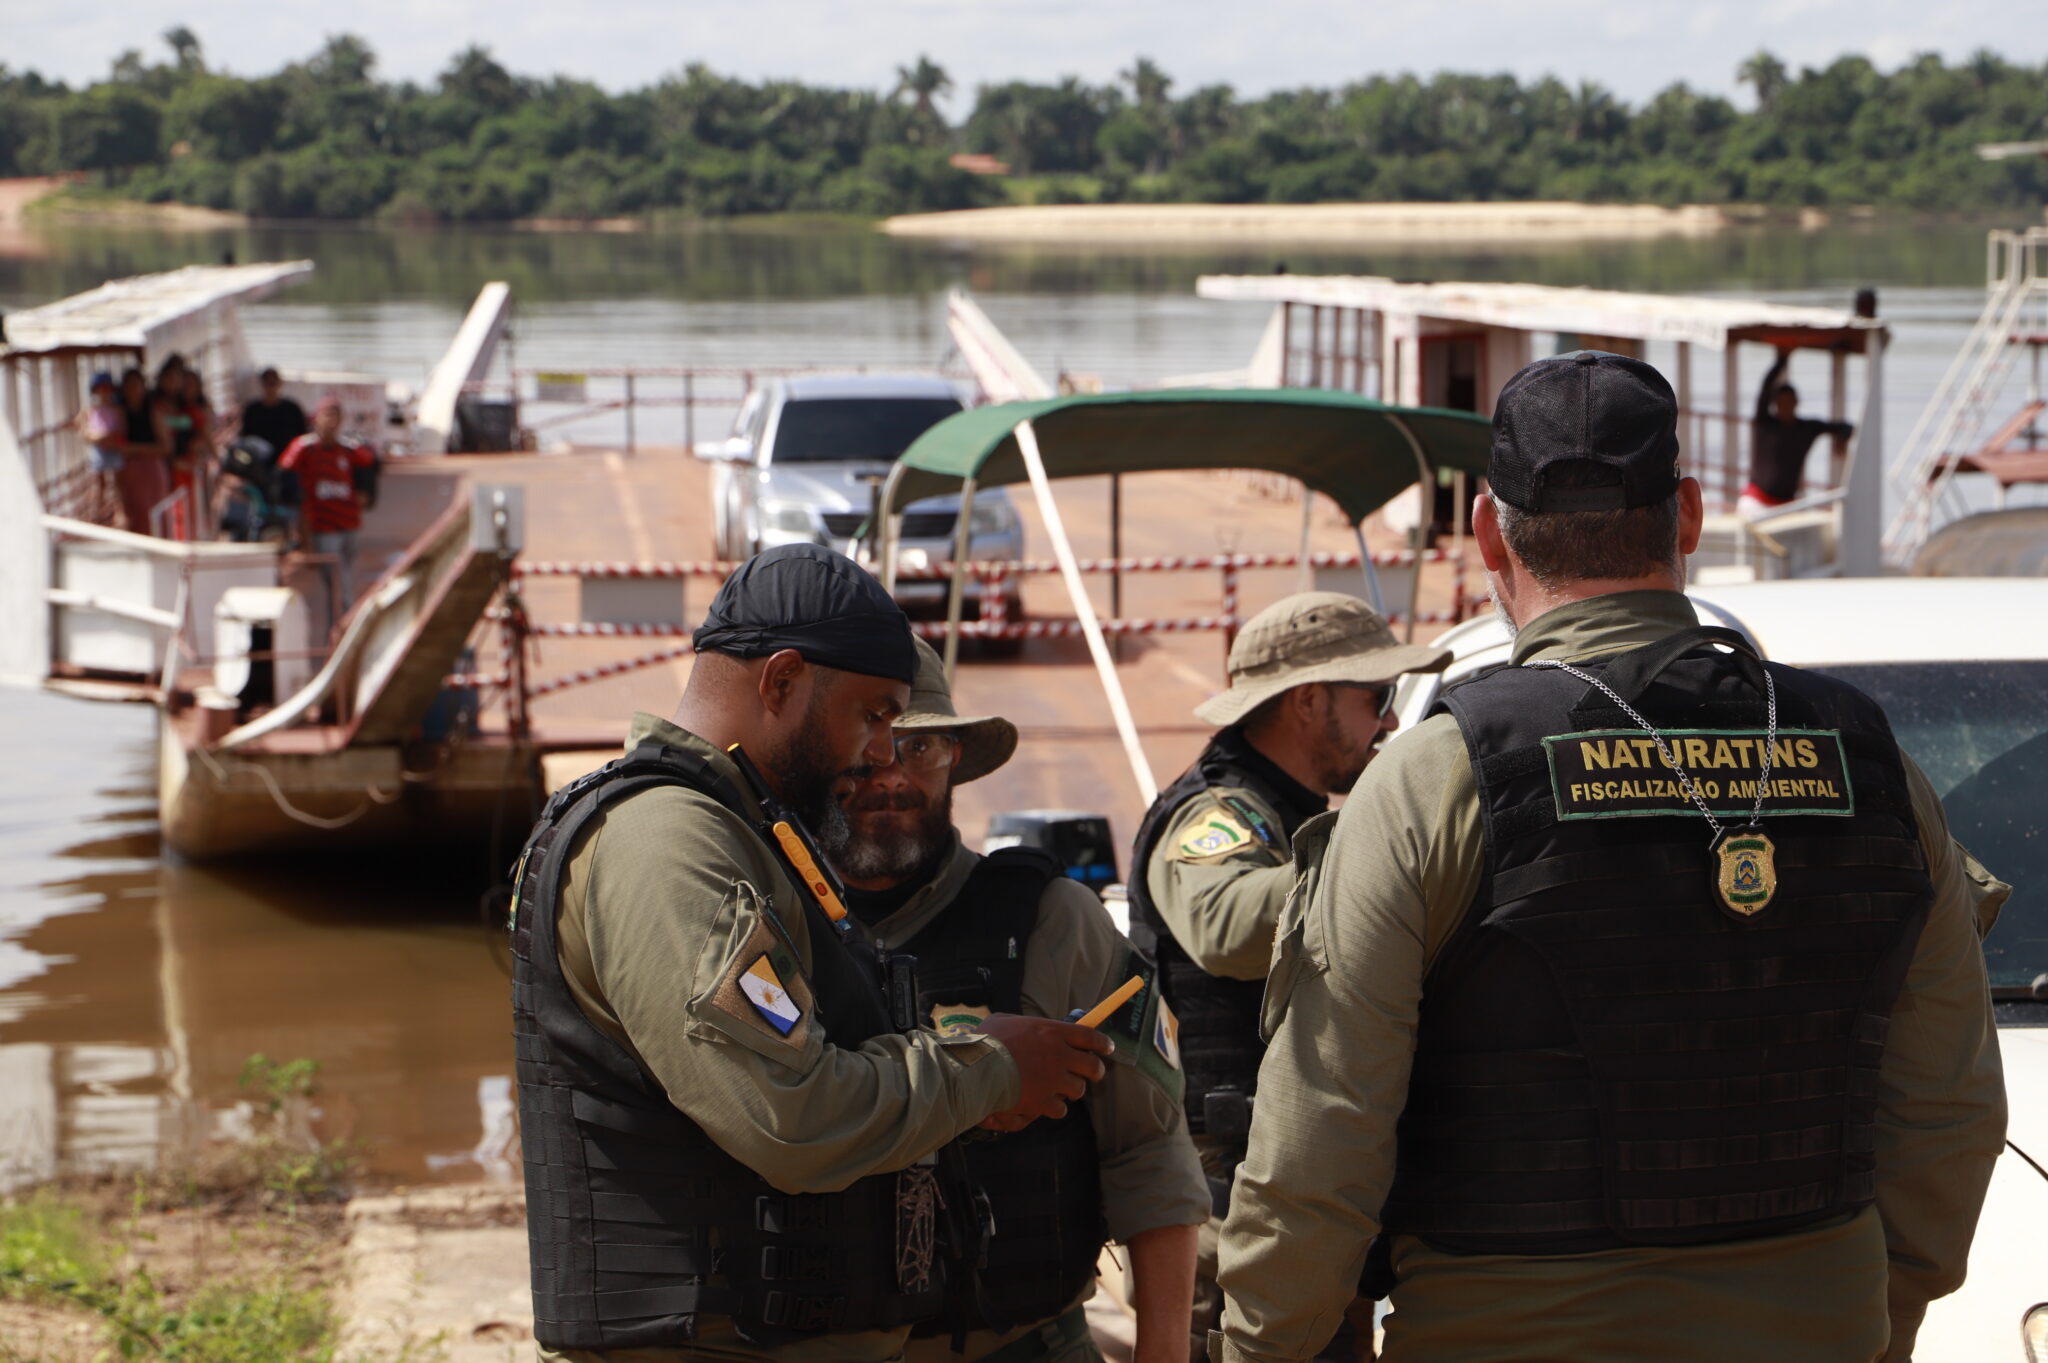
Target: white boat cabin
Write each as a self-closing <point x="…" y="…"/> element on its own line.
<point x="1454" y="345"/>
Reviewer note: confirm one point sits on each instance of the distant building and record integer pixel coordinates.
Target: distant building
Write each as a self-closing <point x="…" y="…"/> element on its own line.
<point x="979" y="163"/>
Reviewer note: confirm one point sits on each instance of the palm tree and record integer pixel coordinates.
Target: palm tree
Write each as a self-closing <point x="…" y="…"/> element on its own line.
<point x="1767" y="74"/>
<point x="1149" y="84"/>
<point x="924" y="83"/>
<point x="1985" y="67"/>
<point x="184" y="45"/>
<point x="344" y="60"/>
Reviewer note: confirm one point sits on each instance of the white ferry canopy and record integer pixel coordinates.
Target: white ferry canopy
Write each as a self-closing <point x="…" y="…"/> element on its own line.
<point x="1716" y="323"/>
<point x="131" y="312"/>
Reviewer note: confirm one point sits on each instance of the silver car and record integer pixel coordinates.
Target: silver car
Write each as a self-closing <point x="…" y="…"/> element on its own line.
<point x="803" y="461"/>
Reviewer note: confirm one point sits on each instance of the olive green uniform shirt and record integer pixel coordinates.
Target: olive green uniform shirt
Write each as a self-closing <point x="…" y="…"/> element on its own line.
<point x="1222" y="904"/>
<point x="666" y="898"/>
<point x="1404" y="858"/>
<point x="1075" y="958"/>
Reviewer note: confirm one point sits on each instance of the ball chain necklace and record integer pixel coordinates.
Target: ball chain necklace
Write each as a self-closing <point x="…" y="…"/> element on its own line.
<point x="1745" y="859"/>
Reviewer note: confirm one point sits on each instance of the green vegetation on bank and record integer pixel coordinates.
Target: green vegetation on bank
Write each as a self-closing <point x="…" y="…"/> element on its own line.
<point x="66" y="1252"/>
<point x="246" y="1282"/>
<point x="323" y="138"/>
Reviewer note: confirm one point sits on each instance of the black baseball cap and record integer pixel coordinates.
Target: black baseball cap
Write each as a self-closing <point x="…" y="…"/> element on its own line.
<point x="1608" y="422"/>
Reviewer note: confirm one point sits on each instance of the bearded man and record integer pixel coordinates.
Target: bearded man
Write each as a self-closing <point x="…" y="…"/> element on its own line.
<point x="1009" y="933"/>
<point x="733" y="1149"/>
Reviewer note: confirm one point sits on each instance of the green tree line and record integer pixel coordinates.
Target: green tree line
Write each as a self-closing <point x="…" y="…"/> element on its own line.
<point x="325" y="138"/>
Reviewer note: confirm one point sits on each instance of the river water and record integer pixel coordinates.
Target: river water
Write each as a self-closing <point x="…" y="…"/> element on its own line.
<point x="134" y="989"/>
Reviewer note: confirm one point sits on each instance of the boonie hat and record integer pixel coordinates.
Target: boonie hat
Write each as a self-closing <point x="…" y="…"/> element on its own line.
<point x="986" y="741"/>
<point x="1313" y="637"/>
<point x="1612" y="420"/>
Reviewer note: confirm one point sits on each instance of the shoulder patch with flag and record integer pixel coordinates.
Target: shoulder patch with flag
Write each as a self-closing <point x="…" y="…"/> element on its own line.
<point x="764" y="989"/>
<point x="1166" y="1035"/>
<point x="759" y="997"/>
<point x="1215" y="833"/>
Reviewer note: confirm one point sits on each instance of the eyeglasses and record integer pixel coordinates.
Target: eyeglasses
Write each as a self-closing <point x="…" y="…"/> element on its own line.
<point x="1384" y="705"/>
<point x="926" y="752"/>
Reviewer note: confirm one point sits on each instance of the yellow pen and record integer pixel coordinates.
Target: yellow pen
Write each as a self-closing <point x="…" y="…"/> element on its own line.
<point x="1100" y="1013"/>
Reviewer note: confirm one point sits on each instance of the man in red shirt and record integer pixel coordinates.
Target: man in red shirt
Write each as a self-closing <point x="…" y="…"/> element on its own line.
<point x="330" y="506"/>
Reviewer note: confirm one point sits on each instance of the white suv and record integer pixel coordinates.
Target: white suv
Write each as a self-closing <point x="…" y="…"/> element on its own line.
<point x="799" y="464"/>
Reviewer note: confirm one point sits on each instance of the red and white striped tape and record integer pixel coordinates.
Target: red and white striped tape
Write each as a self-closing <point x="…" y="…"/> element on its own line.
<point x="930" y="629"/>
<point x="686" y="568"/>
<point x="600" y="673"/>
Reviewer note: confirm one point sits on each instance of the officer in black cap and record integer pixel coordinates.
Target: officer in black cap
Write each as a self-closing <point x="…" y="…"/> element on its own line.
<point x="1634" y="1001"/>
<point x="735" y="1147"/>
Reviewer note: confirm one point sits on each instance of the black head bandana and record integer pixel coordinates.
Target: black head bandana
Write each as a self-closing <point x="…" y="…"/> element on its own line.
<point x="820" y="603"/>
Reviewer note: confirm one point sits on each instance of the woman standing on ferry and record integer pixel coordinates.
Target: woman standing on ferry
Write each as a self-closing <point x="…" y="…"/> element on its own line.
<point x="143" y="479"/>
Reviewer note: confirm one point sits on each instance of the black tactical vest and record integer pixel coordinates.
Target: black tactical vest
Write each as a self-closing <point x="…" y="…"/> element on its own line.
<point x="1043" y="1183"/>
<point x="636" y="1221"/>
<point x="1605" y="1055"/>
<point x="1220" y="1048"/>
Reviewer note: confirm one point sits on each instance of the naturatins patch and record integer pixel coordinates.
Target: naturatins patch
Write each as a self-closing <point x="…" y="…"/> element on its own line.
<point x="1619" y="774"/>
<point x="1220" y="834"/>
<point x="958" y="1019"/>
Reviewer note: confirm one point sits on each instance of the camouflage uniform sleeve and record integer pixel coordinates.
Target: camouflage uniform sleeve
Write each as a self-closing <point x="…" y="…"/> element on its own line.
<point x="1402" y="861"/>
<point x="1219" y="877"/>
<point x="1151" y="1176"/>
<point x="699" y="954"/>
<point x="1941" y="1089"/>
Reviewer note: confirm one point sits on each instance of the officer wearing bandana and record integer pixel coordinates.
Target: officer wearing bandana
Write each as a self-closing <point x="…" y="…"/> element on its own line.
<point x="733" y="1149"/>
<point x="1009" y="931"/>
<point x="1635" y="1002"/>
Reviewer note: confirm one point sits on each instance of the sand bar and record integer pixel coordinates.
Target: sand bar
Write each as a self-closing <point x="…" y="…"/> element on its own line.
<point x="1345" y="222"/>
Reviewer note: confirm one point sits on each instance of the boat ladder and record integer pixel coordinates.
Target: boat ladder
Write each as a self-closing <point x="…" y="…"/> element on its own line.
<point x="1948" y="428"/>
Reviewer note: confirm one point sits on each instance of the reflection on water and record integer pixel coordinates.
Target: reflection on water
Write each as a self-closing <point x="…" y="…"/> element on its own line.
<point x="135" y="989"/>
<point x="366" y="264"/>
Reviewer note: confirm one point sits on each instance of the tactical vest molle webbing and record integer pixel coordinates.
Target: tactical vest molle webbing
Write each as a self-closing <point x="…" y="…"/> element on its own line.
<point x="1042" y="1183"/>
<point x="637" y="1222"/>
<point x="1605" y="1056"/>
<point x="1220" y="1048"/>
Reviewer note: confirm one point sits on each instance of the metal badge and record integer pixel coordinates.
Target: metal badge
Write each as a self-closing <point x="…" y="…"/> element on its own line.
<point x="1745" y="870"/>
<point x="1745" y="859"/>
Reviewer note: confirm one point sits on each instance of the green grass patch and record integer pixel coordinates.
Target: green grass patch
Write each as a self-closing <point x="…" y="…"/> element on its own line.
<point x="46" y="1247"/>
<point x="225" y="1258"/>
<point x="241" y="1303"/>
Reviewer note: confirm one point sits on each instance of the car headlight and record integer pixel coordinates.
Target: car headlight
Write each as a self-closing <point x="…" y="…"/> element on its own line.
<point x="789" y="517"/>
<point x="992" y="518"/>
<point x="2034" y="1333"/>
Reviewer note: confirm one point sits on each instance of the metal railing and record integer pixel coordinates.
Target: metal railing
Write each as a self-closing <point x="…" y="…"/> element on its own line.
<point x="703" y="398"/>
<point x="41" y="395"/>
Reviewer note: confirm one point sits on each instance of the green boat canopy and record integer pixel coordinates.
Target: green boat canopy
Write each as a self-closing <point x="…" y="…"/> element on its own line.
<point x="1351" y="449"/>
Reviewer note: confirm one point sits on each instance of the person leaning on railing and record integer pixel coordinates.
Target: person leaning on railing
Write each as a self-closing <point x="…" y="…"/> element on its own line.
<point x="1780" y="440"/>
